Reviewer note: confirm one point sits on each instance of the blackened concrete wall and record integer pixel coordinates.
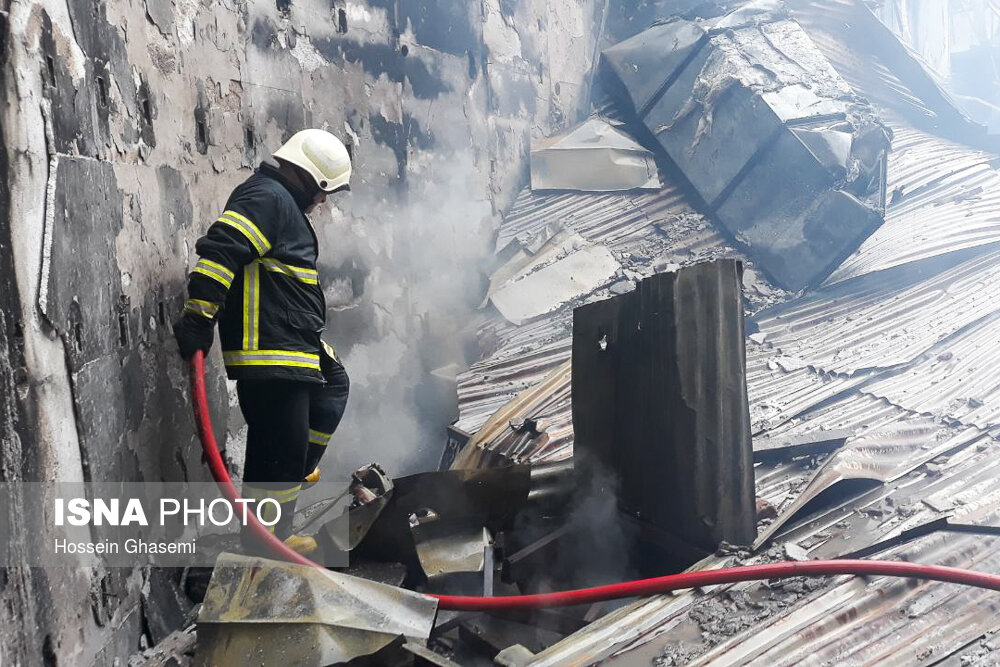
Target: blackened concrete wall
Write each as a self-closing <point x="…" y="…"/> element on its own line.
<point x="125" y="125"/>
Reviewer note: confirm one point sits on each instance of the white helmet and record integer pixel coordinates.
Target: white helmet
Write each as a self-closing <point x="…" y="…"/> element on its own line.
<point x="321" y="154"/>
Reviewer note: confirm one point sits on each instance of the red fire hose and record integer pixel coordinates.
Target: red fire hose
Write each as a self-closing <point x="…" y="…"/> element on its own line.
<point x="656" y="585"/>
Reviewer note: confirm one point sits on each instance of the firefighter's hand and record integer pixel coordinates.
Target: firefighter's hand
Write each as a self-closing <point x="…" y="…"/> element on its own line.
<point x="193" y="332"/>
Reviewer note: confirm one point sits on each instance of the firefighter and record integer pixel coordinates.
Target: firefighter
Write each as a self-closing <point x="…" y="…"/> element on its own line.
<point x="256" y="276"/>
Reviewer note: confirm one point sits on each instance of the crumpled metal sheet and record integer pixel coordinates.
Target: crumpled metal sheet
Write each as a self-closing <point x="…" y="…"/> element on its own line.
<point x="548" y="395"/>
<point x="592" y="157"/>
<point x="942" y="198"/>
<point x="449" y="547"/>
<point x="489" y="497"/>
<point x="729" y="105"/>
<point x="547" y="288"/>
<point x="261" y="611"/>
<point x="879" y="455"/>
<point x="524" y="257"/>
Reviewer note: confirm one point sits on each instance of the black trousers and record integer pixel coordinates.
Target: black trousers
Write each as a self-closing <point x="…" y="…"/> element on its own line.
<point x="288" y="427"/>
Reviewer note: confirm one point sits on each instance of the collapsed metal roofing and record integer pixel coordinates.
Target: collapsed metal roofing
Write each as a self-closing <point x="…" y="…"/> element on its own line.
<point x="897" y="348"/>
<point x="785" y="157"/>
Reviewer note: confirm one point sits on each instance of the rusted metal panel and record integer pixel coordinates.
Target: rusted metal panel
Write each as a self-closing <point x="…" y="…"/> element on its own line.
<point x="659" y="401"/>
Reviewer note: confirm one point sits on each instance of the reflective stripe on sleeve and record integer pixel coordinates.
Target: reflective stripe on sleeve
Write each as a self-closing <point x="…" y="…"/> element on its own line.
<point x="215" y="271"/>
<point x="281" y="495"/>
<point x="248" y="229"/>
<point x="200" y="307"/>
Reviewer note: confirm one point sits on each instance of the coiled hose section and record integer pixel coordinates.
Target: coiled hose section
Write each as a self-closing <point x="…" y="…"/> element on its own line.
<point x="625" y="589"/>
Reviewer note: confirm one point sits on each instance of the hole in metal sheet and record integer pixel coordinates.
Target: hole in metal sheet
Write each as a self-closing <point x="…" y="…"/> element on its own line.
<point x="341" y="21"/>
<point x="602" y="343"/>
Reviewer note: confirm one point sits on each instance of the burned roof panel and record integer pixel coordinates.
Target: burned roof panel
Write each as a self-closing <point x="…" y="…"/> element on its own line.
<point x="732" y="118"/>
<point x="744" y="623"/>
<point x="960" y="384"/>
<point x="642" y="65"/>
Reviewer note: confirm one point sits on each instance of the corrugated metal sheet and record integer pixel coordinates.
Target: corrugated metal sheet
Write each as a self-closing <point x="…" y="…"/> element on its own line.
<point x="781" y="387"/>
<point x="885" y="320"/>
<point x="600" y="218"/>
<point x="900" y="347"/>
<point x="943" y="198"/>
<point x="844" y="621"/>
<point x="907" y="359"/>
<point x="881" y="454"/>
<point x="960" y="384"/>
<point x="942" y="195"/>
<point x="659" y="379"/>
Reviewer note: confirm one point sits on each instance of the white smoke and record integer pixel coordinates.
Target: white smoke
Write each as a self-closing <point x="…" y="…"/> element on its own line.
<point x="404" y="278"/>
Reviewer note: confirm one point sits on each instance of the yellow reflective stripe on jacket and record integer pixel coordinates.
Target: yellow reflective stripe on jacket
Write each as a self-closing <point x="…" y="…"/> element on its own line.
<point x="215" y="271"/>
<point x="200" y="307"/>
<point x="318" y="437"/>
<point x="251" y="306"/>
<point x="248" y="229"/>
<point x="270" y="358"/>
<point x="308" y="276"/>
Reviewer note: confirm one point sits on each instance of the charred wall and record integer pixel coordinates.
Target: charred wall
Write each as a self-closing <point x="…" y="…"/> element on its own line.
<point x="126" y="123"/>
<point x="24" y="594"/>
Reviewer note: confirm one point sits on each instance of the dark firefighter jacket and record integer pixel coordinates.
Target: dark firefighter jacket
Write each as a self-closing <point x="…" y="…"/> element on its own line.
<point x="257" y="274"/>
